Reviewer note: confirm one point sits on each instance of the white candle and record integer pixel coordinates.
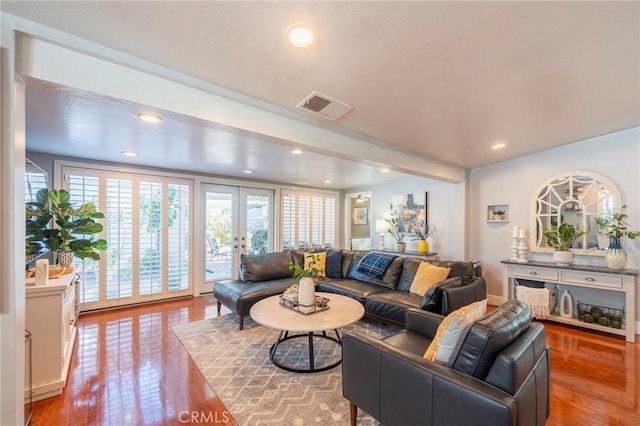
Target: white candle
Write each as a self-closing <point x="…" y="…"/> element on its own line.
<point x="516" y="229"/>
<point x="523" y="233"/>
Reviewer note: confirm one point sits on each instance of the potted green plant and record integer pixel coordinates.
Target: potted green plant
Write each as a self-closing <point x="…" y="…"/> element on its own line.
<point x="306" y="283"/>
<point x="396" y="234"/>
<point x="38" y="220"/>
<point x="614" y="226"/>
<point x="422" y="237"/>
<point x="72" y="225"/>
<point x="499" y="214"/>
<point x="562" y="238"/>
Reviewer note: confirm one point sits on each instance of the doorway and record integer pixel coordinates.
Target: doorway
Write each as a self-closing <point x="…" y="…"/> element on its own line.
<point x="238" y="221"/>
<point x="359" y="221"/>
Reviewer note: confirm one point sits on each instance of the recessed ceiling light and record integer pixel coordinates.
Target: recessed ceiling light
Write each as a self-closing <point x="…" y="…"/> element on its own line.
<point x="499" y="145"/>
<point x="129" y="153"/>
<point x="247" y="171"/>
<point x="149" y="118"/>
<point x="300" y="35"/>
<point x="297" y="151"/>
<point x="385" y="170"/>
<point x="327" y="181"/>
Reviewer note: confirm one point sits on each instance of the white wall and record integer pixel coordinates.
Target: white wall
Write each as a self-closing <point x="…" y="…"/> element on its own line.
<point x="12" y="293"/>
<point x="616" y="156"/>
<point x="445" y="213"/>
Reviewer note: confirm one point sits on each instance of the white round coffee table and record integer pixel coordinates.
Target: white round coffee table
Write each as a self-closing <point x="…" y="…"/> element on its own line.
<point x="342" y="312"/>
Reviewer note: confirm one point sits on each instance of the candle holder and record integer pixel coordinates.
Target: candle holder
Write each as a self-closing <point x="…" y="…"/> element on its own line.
<point x="523" y="249"/>
<point x="514" y="248"/>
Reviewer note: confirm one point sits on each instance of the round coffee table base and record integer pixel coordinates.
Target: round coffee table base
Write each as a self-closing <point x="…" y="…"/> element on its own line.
<point x="312" y="368"/>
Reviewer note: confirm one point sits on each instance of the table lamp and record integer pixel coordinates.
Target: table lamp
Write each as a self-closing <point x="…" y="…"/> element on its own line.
<point x="382" y="226"/>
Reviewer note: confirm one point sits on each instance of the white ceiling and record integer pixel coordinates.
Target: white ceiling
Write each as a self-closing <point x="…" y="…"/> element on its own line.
<point x="438" y="80"/>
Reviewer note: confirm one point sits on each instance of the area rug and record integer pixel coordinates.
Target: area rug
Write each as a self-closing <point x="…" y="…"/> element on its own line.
<point x="237" y="367"/>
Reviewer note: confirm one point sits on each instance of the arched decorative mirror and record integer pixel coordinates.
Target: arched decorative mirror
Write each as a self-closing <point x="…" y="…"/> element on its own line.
<point x="577" y="197"/>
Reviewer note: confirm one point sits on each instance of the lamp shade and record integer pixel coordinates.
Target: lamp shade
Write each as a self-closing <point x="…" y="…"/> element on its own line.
<point x="382" y="225"/>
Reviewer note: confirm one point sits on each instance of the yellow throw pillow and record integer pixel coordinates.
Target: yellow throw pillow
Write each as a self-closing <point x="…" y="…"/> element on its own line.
<point x="450" y="330"/>
<point x="426" y="277"/>
<point x="321" y="262"/>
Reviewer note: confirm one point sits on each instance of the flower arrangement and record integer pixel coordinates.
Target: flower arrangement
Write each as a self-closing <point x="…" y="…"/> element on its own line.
<point x="422" y="236"/>
<point x="299" y="271"/>
<point x="615" y="226"/>
<point x="394" y="231"/>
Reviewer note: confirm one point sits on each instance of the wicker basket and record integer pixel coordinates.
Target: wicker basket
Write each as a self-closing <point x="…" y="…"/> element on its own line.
<point x="605" y="316"/>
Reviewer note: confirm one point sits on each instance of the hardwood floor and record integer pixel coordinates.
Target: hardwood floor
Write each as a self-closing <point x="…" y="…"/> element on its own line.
<point x="129" y="369"/>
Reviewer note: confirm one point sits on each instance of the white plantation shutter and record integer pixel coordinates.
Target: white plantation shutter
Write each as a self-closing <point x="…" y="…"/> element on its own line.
<point x="85" y="188"/>
<point x="178" y="238"/>
<point x="148" y="230"/>
<point x="308" y="219"/>
<point x="33" y="182"/>
<point x="119" y="213"/>
<point x="288" y="221"/>
<point x="150" y="245"/>
<point x="329" y="221"/>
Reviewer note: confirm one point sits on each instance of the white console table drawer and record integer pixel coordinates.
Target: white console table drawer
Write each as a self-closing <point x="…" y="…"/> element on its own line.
<point x="592" y="279"/>
<point x="533" y="273"/>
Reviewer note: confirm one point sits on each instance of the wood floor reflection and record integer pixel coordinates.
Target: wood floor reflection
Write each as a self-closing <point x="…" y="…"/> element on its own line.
<point x="129" y="368"/>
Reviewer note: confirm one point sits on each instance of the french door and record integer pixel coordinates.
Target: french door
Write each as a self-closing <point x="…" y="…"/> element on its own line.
<point x="237" y="220"/>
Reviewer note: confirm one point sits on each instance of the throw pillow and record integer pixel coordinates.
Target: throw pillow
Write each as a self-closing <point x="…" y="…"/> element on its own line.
<point x="334" y="263"/>
<point x="321" y="262"/>
<point x="450" y="330"/>
<point x="426" y="277"/>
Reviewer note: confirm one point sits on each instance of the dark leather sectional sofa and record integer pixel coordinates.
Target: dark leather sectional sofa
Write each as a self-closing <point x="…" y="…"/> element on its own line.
<point x="498" y="374"/>
<point x="386" y="298"/>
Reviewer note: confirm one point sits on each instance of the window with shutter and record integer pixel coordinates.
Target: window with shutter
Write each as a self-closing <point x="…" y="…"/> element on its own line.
<point x="147" y="226"/>
<point x="308" y="219"/>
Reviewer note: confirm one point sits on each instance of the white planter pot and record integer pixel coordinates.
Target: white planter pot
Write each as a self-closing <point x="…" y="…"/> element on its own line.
<point x="563" y="258"/>
<point x="65" y="258"/>
<point x="307" y="295"/>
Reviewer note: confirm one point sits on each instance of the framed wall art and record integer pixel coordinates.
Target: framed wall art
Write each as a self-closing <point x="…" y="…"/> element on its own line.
<point x="360" y="215"/>
<point x="411" y="211"/>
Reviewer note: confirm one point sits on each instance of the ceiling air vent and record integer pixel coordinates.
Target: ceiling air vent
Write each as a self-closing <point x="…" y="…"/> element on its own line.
<point x="325" y="106"/>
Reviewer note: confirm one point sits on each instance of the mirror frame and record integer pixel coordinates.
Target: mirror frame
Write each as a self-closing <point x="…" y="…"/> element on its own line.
<point x="571" y="178"/>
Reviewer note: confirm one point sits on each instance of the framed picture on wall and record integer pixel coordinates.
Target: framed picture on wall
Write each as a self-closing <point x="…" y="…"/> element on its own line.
<point x="411" y="211"/>
<point x="360" y="216"/>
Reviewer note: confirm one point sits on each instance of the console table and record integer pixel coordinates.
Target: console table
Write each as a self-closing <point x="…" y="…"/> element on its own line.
<point x="50" y="317"/>
<point x="593" y="283"/>
<point x="409" y="253"/>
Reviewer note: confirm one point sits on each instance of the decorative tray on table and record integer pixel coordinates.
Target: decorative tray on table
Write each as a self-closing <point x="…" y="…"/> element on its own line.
<point x="322" y="304"/>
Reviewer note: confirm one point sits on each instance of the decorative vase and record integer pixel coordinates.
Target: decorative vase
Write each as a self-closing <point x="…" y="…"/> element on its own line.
<point x="423" y="247"/>
<point x="563" y="258"/>
<point x="65" y="258"/>
<point x="616" y="256"/>
<point x="402" y="247"/>
<point x="566" y="305"/>
<point x="307" y="295"/>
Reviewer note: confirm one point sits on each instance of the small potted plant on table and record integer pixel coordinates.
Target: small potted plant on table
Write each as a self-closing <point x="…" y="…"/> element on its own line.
<point x="72" y="224"/>
<point x="562" y="238"/>
<point x="396" y="234"/>
<point x="306" y="274"/>
<point x="423" y="246"/>
<point x="614" y="226"/>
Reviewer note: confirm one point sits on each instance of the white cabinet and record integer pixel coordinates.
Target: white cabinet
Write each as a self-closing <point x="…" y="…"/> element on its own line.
<point x="50" y="318"/>
<point x="594" y="285"/>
